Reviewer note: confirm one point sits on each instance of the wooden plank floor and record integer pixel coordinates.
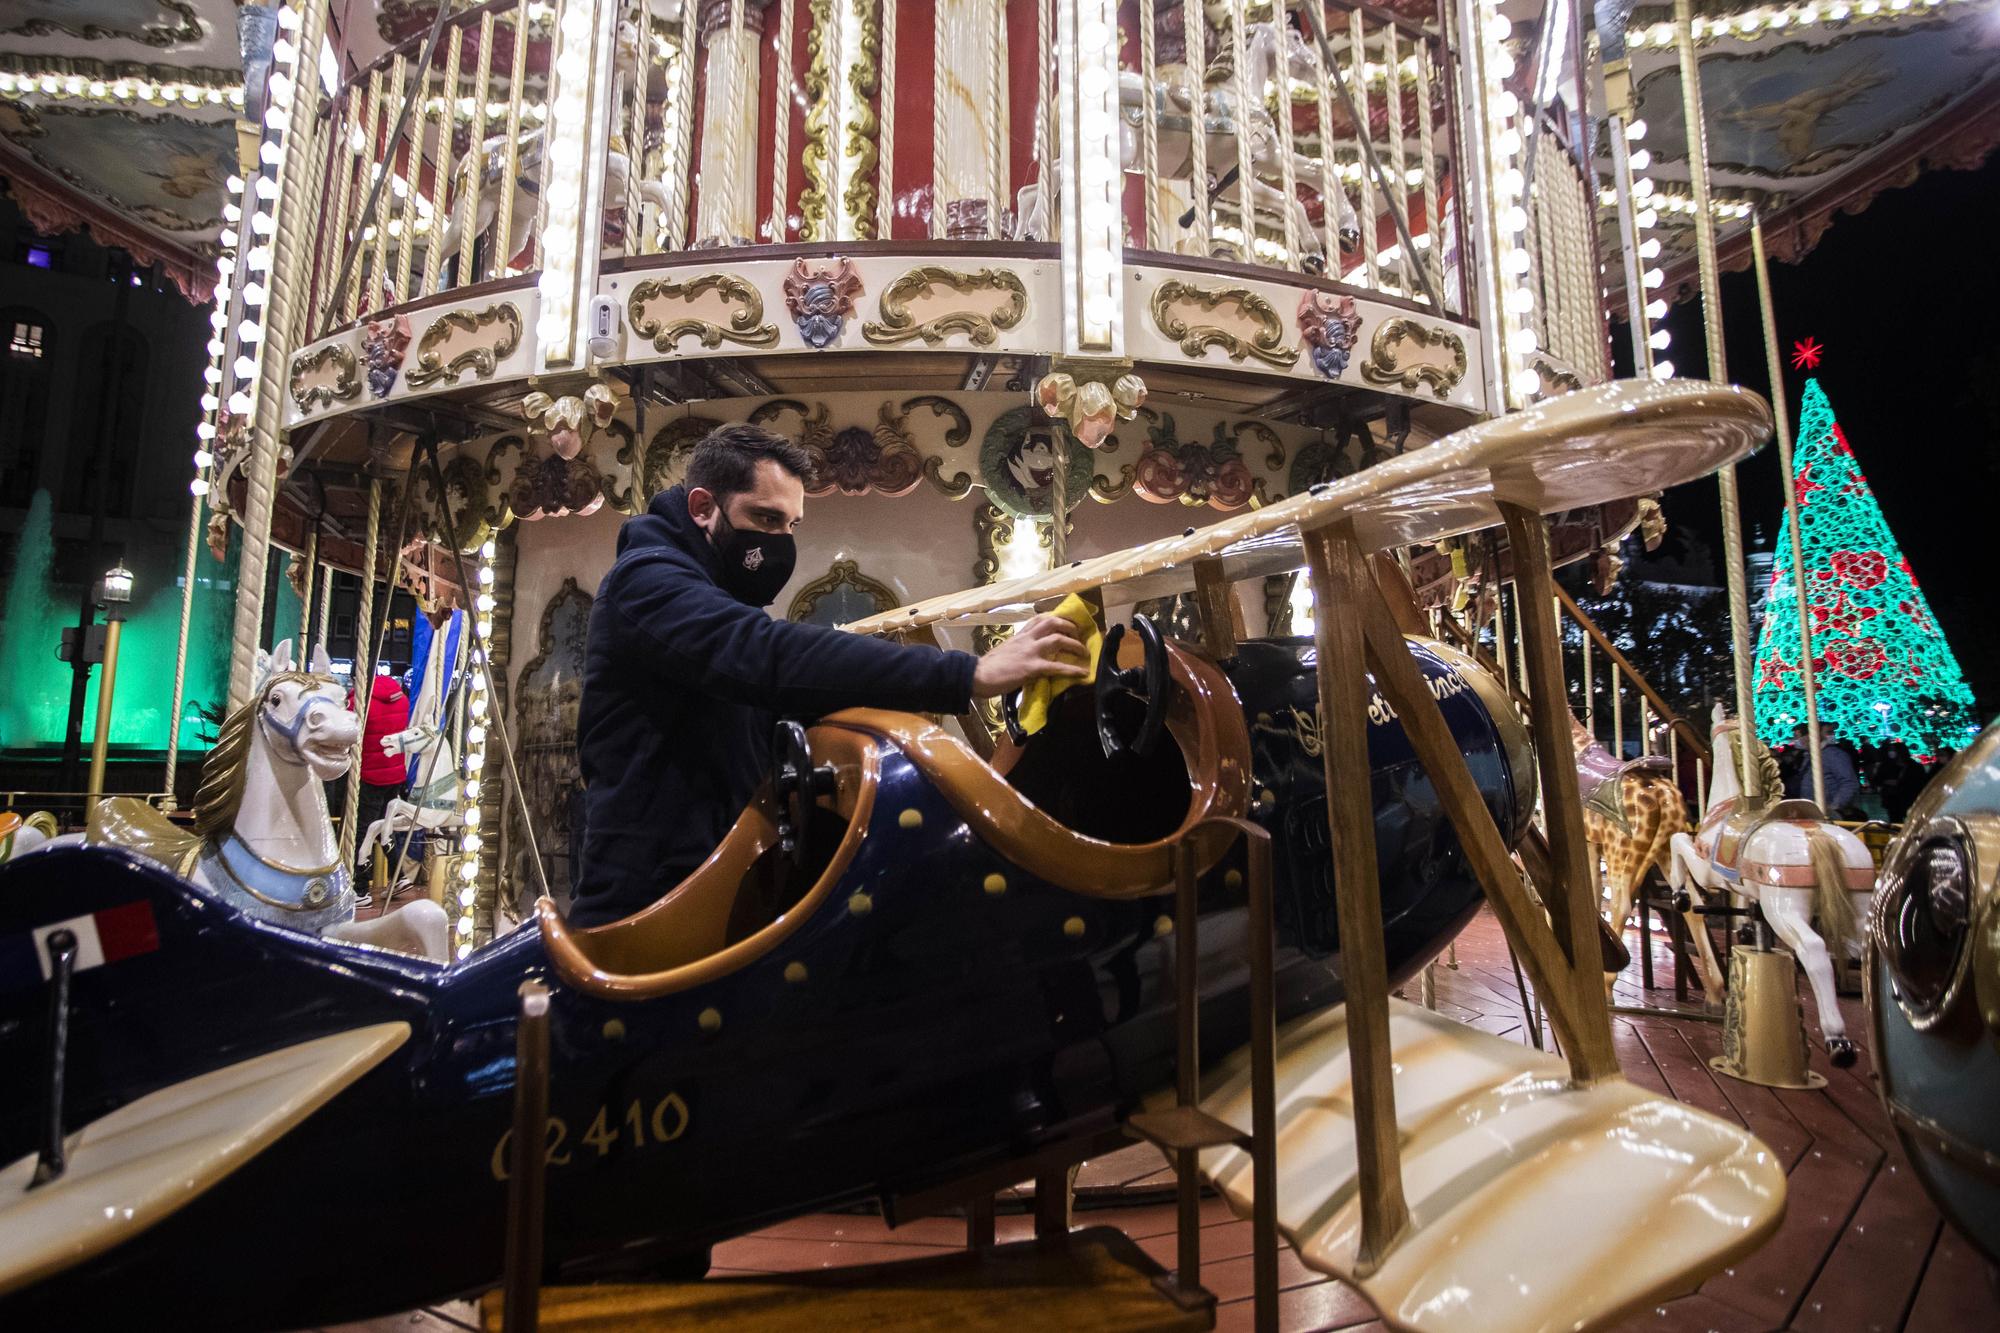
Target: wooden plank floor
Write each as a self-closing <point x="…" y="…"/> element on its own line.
<point x="1861" y="1250"/>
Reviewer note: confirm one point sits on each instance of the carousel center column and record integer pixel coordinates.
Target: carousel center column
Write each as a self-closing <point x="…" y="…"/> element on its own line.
<point x="726" y="208"/>
<point x="970" y="158"/>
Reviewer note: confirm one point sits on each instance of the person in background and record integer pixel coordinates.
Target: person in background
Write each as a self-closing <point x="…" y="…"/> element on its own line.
<point x="1795" y="764"/>
<point x="383" y="776"/>
<point x="1843" y="780"/>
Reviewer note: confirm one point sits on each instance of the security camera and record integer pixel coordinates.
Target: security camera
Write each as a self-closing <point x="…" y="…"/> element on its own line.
<point x="606" y="333"/>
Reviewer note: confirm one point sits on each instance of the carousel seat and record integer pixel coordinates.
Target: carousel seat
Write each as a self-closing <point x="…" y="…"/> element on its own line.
<point x="1108" y="830"/>
<point x="1534" y="1202"/>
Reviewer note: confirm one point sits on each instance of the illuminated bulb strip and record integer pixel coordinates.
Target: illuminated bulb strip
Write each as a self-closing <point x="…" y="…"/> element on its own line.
<point x="1518" y="339"/>
<point x="1092" y="190"/>
<point x="1722" y="210"/>
<point x="212" y="405"/>
<point x="1645" y="231"/>
<point x="258" y="209"/>
<point x="473" y="763"/>
<point x="575" y="176"/>
<point x="1761" y="21"/>
<point x="186" y="90"/>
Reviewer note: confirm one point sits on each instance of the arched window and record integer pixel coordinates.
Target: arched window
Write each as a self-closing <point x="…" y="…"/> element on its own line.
<point x="110" y="389"/>
<point x="24" y="400"/>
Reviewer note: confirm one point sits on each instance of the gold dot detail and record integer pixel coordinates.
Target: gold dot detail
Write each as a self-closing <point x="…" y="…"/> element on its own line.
<point x="1163" y="925"/>
<point x="860" y="904"/>
<point x="995" y="884"/>
<point x="795" y="972"/>
<point x="911" y="818"/>
<point x="710" y="1020"/>
<point x="614" y="1029"/>
<point x="1232" y="879"/>
<point x="1266" y="799"/>
<point x="1074" y="927"/>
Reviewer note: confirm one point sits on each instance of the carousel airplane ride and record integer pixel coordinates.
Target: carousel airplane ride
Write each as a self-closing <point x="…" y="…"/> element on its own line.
<point x="1312" y="278"/>
<point x="890" y="894"/>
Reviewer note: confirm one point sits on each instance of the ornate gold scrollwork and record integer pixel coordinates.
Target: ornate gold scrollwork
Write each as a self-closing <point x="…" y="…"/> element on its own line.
<point x="481" y="361"/>
<point x="1267" y="344"/>
<point x="898" y="325"/>
<point x="1382" y="366"/>
<point x="502" y="512"/>
<point x="465" y="482"/>
<point x="961" y="424"/>
<point x="992" y="528"/>
<point x="746" y="325"/>
<point x="346" y="379"/>
<point x="841" y="573"/>
<point x="651" y="468"/>
<point x="957" y="488"/>
<point x="1105" y="489"/>
<point x="1554" y="379"/>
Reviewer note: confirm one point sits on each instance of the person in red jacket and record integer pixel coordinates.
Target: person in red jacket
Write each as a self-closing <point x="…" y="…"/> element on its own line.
<point x="382" y="775"/>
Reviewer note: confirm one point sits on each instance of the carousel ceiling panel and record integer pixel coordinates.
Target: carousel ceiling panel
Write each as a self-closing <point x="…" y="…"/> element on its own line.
<point x="191" y="31"/>
<point x="164" y="169"/>
<point x="1804" y="121"/>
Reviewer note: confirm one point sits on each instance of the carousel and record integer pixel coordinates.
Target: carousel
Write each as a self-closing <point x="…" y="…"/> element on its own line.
<point x="1273" y="338"/>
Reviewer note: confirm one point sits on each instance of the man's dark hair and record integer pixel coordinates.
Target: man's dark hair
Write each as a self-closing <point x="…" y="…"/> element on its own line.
<point x="725" y="462"/>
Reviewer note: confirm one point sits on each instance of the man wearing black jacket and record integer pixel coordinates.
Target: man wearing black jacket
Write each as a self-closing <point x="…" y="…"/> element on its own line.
<point x="685" y="673"/>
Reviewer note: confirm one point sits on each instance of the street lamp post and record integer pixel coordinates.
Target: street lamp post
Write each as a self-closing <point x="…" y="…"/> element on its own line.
<point x="113" y="595"/>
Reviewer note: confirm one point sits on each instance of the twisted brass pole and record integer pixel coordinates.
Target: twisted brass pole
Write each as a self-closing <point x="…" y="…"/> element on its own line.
<point x="1711" y="317"/>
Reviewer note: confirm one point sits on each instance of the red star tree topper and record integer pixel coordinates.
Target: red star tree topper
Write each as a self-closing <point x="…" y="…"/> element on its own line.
<point x="1883" y="667"/>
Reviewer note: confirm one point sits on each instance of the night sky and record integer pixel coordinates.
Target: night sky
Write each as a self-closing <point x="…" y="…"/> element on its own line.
<point x="1904" y="298"/>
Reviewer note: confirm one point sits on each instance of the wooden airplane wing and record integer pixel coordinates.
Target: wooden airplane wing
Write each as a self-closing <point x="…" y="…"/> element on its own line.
<point x="1535" y="1203"/>
<point x="155" y="1155"/>
<point x="1582" y="448"/>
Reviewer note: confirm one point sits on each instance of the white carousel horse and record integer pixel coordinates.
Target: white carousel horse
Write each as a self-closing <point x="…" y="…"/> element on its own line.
<point x="19" y="835"/>
<point x="487" y="164"/>
<point x="263" y="841"/>
<point x="1172" y="98"/>
<point x="1791" y="860"/>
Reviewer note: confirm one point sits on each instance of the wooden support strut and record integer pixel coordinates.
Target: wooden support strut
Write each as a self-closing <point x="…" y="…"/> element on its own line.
<point x="1572" y="903"/>
<point x="1342" y="587"/>
<point x="1527" y="931"/>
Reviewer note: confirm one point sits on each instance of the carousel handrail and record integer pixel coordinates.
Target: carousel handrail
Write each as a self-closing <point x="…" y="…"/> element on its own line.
<point x="1661" y="708"/>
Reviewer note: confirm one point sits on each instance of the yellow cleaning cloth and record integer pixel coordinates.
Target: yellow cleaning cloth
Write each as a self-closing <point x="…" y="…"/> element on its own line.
<point x="1038" y="694"/>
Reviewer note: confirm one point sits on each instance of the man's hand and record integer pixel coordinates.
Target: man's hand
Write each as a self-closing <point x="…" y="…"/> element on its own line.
<point x="1045" y="646"/>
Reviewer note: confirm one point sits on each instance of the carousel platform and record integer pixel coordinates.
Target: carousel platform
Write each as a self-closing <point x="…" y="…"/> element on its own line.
<point x="1860" y="1248"/>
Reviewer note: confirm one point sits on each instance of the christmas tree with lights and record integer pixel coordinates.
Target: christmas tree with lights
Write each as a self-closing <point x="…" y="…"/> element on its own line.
<point x="1881" y="664"/>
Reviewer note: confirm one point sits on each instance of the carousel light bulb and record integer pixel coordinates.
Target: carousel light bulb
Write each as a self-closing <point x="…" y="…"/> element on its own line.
<point x="1655" y="278"/>
<point x="467" y="897"/>
<point x="254" y="293"/>
<point x="261" y="224"/>
<point x="198" y="487"/>
<point x="249" y="331"/>
<point x="259" y="259"/>
<point x="472" y="817"/>
<point x="1523" y="341"/>
<point x="240" y="404"/>
<point x="204" y="430"/>
<point x="1635" y="131"/>
<point x="271" y="154"/>
<point x="472" y="789"/>
<point x="1641" y="159"/>
<point x="229" y="237"/>
<point x="485" y="625"/>
<point x="209" y="402"/>
<point x="215" y="347"/>
<point x="1660" y="340"/>
<point x="203" y="459"/>
<point x="288" y="18"/>
<point x="218" y="319"/>
<point x="468" y="870"/>
<point x="266" y="187"/>
<point x="1526" y="383"/>
<point x="1663" y="370"/>
<point x="232" y="212"/>
<point x="464" y="951"/>
<point x="1648" y="218"/>
<point x="486" y="575"/>
<point x="465" y="928"/>
<point x="478" y="706"/>
<point x="486" y="602"/>
<point x="213" y="374"/>
<point x="488" y="550"/>
<point x="245" y="368"/>
<point x="475" y="735"/>
<point x="472" y="842"/>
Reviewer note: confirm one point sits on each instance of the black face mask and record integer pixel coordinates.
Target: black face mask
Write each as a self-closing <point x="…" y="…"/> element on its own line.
<point x="755" y="565"/>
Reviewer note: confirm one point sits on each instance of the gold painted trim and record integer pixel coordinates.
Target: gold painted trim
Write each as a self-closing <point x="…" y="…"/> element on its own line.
<point x="482" y="361"/>
<point x="205" y="79"/>
<point x="839" y="572"/>
<point x="1268" y="345"/>
<point x="815" y="210"/>
<point x="957" y="488"/>
<point x="1381" y="367"/>
<point x="898" y="326"/>
<point x="189" y="29"/>
<point x="346" y="384"/>
<point x="1554" y="377"/>
<point x="746" y="326"/>
<point x="862" y="131"/>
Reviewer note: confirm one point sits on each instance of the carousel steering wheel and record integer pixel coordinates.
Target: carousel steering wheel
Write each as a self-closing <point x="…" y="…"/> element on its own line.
<point x="1148" y="684"/>
<point x="796" y="784"/>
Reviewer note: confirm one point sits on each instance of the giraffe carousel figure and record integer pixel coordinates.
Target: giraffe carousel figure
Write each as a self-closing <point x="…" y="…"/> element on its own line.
<point x="262" y="841"/>
<point x="1632" y="810"/>
<point x="1787" y="857"/>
